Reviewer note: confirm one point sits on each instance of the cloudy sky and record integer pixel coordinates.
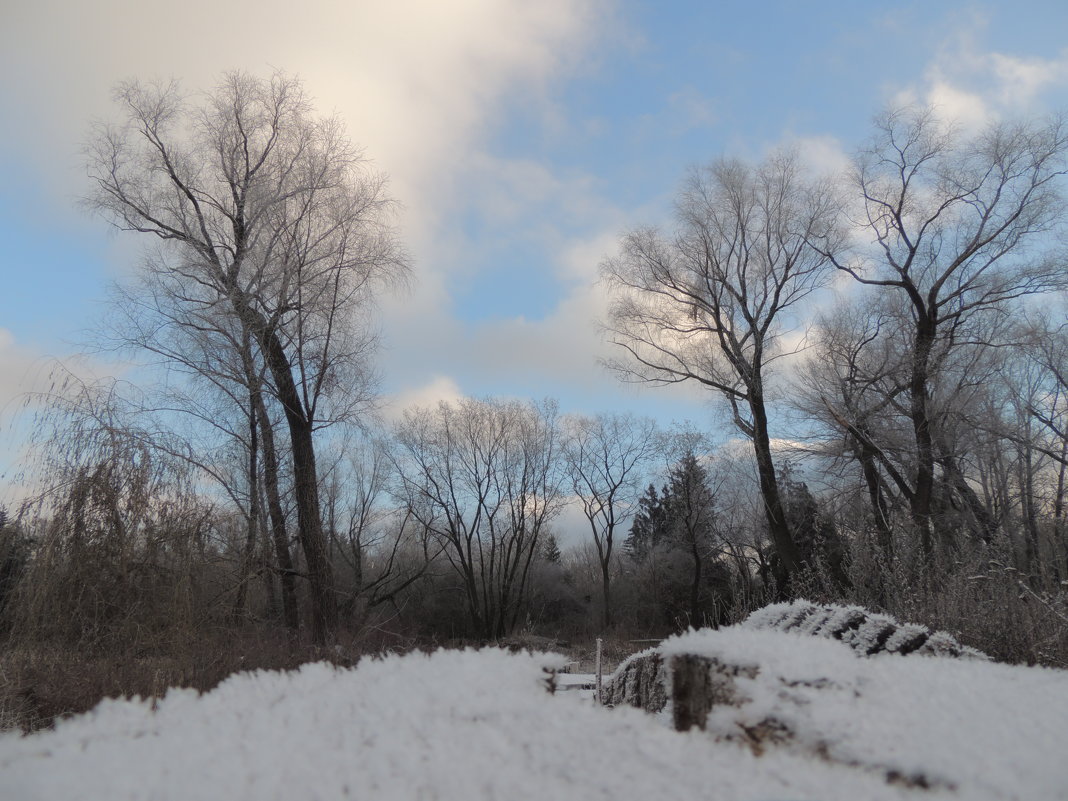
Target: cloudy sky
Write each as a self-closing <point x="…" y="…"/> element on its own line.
<point x="521" y="138"/>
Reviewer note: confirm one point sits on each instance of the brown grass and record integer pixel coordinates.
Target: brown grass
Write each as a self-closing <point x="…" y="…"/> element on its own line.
<point x="41" y="684"/>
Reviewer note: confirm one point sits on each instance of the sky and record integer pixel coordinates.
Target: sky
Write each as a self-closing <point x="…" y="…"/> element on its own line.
<point x="521" y="140"/>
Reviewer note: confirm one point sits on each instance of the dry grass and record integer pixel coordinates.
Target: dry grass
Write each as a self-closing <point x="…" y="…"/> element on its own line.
<point x="41" y="684"/>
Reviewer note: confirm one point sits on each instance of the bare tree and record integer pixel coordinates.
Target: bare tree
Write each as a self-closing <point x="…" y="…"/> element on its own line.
<point x="709" y="303"/>
<point x="1038" y="390"/>
<point x="605" y="457"/>
<point x="851" y="388"/>
<point x="384" y="549"/>
<point x="484" y="478"/>
<point x="958" y="228"/>
<point x="268" y="216"/>
<point x="223" y="379"/>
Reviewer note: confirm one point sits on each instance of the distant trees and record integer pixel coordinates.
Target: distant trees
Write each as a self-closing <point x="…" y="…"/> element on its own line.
<point x="680" y="520"/>
<point x="484" y="479"/>
<point x="1023" y="422"/>
<point x="691" y="508"/>
<point x="270" y="226"/>
<point x="709" y="302"/>
<point x="606" y="456"/>
<point x="15" y="551"/>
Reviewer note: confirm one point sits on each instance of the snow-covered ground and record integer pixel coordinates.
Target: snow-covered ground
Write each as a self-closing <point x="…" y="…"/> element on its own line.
<point x="480" y="725"/>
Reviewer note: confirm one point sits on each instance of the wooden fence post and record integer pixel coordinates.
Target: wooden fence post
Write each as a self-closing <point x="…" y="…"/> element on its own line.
<point x="599" y="698"/>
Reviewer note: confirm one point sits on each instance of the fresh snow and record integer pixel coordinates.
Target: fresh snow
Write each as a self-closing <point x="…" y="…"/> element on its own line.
<point x="989" y="731"/>
<point x="480" y="725"/>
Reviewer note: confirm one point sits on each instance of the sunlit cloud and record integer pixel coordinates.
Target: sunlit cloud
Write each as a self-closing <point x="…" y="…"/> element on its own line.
<point x="971" y="86"/>
<point x="440" y="389"/>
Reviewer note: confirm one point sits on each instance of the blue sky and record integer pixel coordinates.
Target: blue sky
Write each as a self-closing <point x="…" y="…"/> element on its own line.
<point x="521" y="138"/>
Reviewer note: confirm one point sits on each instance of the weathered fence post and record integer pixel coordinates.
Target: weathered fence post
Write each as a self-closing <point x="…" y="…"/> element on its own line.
<point x="599" y="697"/>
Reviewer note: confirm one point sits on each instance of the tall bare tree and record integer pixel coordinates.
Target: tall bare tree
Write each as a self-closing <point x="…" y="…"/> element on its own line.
<point x="384" y="548"/>
<point x="267" y="215"/>
<point x="709" y="303"/>
<point x="957" y="227"/>
<point x="484" y="478"/>
<point x="224" y="379"/>
<point x="605" y="457"/>
<point x="851" y="388"/>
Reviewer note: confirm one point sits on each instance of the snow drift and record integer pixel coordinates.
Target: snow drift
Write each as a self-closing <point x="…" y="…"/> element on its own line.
<point x="481" y="725"/>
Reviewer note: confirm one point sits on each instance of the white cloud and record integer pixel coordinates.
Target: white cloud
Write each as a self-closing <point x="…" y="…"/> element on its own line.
<point x="439" y="388"/>
<point x="967" y="109"/>
<point x="971" y="86"/>
<point x="581" y="259"/>
<point x="822" y="155"/>
<point x="420" y="83"/>
<point x="1024" y="79"/>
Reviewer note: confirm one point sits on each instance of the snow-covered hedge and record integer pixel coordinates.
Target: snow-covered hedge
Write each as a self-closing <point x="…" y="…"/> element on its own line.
<point x="865" y="632"/>
<point x="647" y="680"/>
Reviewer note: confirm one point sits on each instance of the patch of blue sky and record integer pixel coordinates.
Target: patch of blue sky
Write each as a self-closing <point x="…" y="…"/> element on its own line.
<point x="55" y="264"/>
<point x="516" y="279"/>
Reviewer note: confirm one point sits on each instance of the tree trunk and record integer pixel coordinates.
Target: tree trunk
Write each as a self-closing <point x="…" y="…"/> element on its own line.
<point x="1059" y="536"/>
<point x="984" y="522"/>
<point x="879" y="509"/>
<point x="310" y="527"/>
<point x="305" y="480"/>
<point x="287" y="575"/>
<point x="695" y="586"/>
<point x="1027" y="483"/>
<point x="241" y="598"/>
<point x="921" y="427"/>
<point x="606" y="591"/>
<point x="778" y="527"/>
<point x="268" y="567"/>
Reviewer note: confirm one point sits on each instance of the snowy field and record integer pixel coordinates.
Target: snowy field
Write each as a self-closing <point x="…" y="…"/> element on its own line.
<point x="480" y="725"/>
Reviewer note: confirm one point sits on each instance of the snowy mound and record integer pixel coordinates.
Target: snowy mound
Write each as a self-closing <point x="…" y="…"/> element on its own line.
<point x="481" y="725"/>
<point x="965" y="728"/>
<point x="865" y="632"/>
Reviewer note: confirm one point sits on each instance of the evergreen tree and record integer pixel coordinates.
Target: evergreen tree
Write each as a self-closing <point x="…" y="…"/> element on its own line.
<point x="551" y="551"/>
<point x="691" y="586"/>
<point x="649" y="526"/>
<point x="690" y="510"/>
<point x="821" y="547"/>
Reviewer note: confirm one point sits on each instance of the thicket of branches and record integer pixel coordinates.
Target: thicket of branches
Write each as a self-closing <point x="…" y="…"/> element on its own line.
<point x="912" y="459"/>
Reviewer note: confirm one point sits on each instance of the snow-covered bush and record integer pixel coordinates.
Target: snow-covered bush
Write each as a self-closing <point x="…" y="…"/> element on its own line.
<point x="865" y="632"/>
